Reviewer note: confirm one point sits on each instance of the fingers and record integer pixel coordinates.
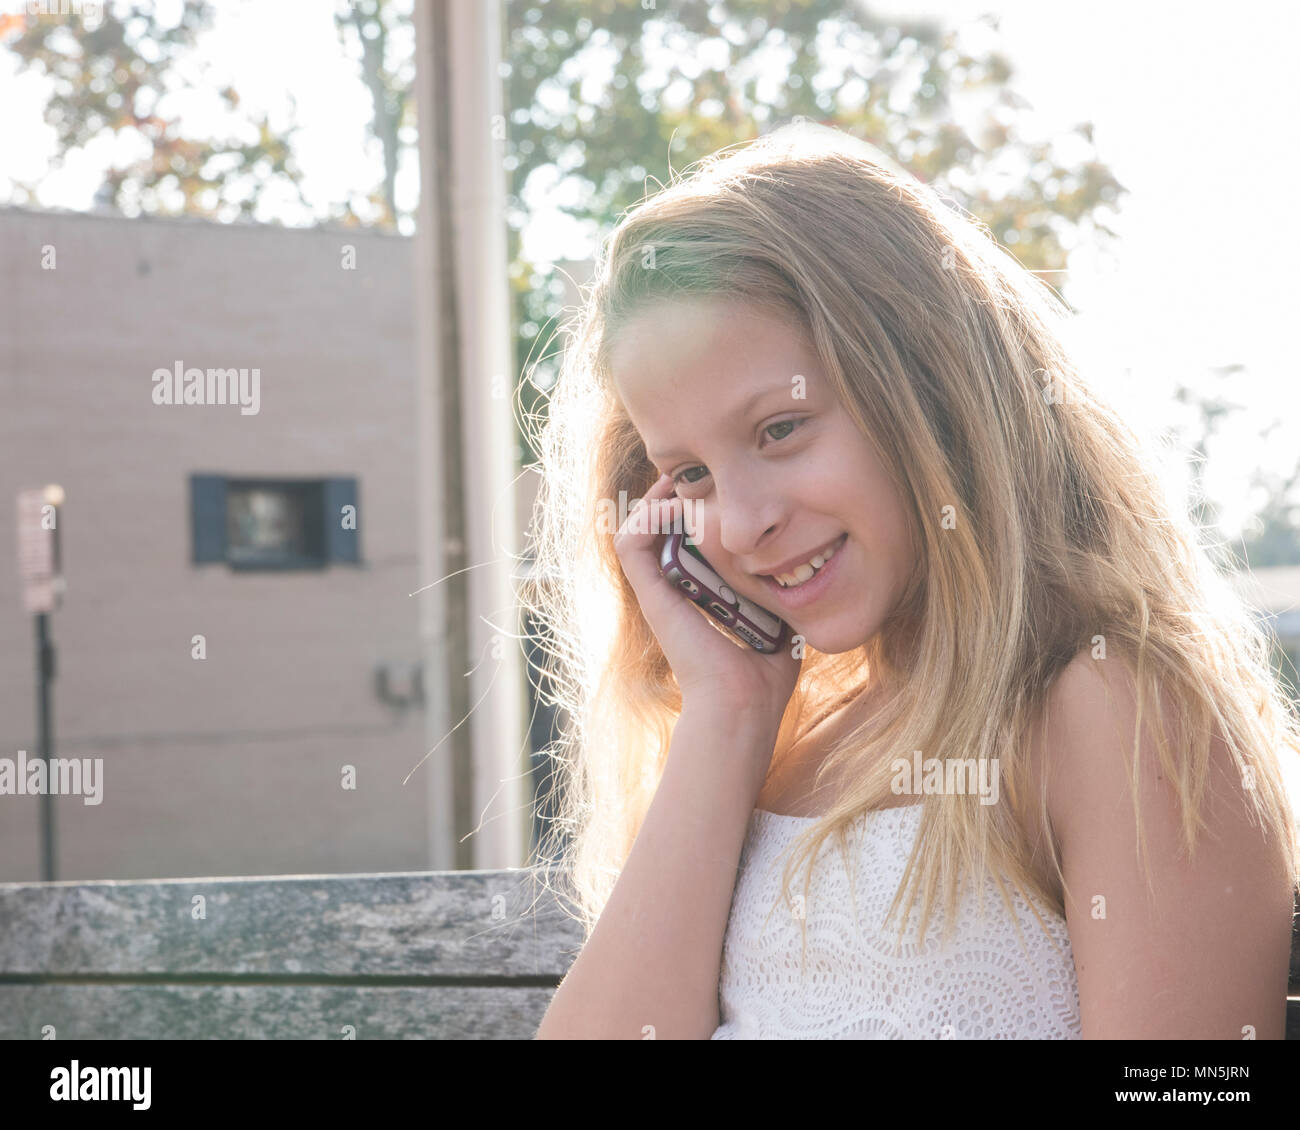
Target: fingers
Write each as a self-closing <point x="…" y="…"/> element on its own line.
<point x="638" y="523"/>
<point x="655" y="515"/>
<point x="636" y="543"/>
<point x="662" y="487"/>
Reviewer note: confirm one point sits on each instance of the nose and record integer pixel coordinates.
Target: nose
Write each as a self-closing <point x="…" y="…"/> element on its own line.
<point x="748" y="513"/>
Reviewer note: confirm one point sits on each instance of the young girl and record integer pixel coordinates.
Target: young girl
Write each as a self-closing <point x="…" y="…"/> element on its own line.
<point x="883" y="441"/>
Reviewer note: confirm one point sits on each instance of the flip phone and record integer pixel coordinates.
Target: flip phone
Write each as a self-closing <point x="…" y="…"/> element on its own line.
<point x="681" y="561"/>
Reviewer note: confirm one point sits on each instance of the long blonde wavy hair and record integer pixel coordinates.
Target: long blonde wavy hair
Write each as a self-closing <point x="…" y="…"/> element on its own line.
<point x="1066" y="536"/>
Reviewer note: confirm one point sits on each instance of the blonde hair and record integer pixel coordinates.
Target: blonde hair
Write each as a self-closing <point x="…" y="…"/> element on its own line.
<point x="1065" y="535"/>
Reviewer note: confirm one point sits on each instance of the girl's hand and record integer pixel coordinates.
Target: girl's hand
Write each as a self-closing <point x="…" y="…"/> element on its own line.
<point x="711" y="670"/>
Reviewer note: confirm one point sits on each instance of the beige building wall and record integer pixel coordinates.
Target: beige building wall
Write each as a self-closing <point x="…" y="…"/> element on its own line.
<point x="229" y="765"/>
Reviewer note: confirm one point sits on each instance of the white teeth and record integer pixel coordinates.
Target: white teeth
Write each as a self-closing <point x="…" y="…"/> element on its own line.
<point x="804" y="572"/>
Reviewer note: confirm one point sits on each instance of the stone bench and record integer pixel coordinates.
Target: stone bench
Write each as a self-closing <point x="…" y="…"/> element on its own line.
<point x="419" y="955"/>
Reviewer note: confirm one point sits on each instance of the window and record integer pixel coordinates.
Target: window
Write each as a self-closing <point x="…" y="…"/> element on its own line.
<point x="274" y="523"/>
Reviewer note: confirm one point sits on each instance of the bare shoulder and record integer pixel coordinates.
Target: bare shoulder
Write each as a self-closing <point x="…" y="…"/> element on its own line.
<point x="1200" y="952"/>
<point x="1072" y="699"/>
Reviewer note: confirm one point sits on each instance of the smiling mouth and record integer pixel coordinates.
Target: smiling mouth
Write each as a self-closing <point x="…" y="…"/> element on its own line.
<point x="802" y="574"/>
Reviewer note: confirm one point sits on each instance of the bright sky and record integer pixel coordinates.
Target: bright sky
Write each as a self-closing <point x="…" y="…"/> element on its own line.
<point x="1189" y="101"/>
<point x="1192" y="102"/>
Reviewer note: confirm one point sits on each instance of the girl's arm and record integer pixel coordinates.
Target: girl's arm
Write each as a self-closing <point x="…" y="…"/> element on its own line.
<point x="650" y="969"/>
<point x="1205" y="954"/>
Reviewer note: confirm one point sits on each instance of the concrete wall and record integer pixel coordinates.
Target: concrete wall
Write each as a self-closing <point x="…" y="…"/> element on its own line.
<point x="230" y="765"/>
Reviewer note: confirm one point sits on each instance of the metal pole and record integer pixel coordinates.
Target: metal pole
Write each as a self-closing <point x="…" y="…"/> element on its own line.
<point x="476" y="191"/>
<point x="45" y="739"/>
<point x="439" y="521"/>
<point x="461" y="257"/>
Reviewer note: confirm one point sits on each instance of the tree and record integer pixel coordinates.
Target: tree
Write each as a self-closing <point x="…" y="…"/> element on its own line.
<point x="607" y="94"/>
<point x="688" y="80"/>
<point x="112" y="78"/>
<point x="368" y="28"/>
<point x="1273" y="535"/>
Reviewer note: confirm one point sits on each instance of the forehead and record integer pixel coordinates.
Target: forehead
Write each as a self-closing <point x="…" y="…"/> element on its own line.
<point x="677" y="362"/>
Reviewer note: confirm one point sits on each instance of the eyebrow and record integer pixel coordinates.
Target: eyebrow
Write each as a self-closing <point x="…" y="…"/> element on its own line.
<point x="744" y="410"/>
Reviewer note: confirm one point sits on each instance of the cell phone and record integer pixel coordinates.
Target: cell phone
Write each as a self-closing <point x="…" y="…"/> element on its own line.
<point x="681" y="561"/>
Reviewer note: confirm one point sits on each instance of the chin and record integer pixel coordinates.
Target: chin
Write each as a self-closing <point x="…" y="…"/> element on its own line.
<point x="832" y="639"/>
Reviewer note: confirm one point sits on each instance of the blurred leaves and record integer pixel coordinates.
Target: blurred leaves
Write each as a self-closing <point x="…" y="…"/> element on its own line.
<point x="607" y="93"/>
<point x="603" y="98"/>
<point x="115" y="77"/>
<point x="1272" y="535"/>
<point x="369" y="32"/>
<point x="663" y="87"/>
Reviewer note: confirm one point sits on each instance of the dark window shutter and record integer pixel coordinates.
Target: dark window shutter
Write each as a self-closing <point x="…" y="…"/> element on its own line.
<point x="342" y="544"/>
<point x="208" y="509"/>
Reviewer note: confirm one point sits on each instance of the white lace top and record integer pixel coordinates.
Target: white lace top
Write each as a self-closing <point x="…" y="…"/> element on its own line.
<point x="983" y="985"/>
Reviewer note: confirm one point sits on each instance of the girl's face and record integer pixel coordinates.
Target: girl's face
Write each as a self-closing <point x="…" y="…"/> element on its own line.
<point x="735" y="406"/>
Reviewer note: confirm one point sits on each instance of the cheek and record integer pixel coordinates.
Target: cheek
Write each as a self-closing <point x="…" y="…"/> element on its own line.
<point x="889" y="528"/>
<point x="870" y="502"/>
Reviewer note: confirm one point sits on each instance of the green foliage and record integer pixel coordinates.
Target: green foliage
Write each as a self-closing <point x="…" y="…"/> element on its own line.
<point x="111" y="79"/>
<point x="688" y="78"/>
<point x="615" y="96"/>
